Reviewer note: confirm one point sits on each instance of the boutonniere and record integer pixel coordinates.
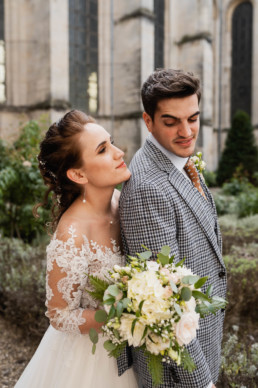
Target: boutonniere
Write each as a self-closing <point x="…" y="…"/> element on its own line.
<point x="199" y="163"/>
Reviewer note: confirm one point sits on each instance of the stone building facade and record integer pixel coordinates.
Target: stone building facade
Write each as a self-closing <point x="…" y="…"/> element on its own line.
<point x="94" y="55"/>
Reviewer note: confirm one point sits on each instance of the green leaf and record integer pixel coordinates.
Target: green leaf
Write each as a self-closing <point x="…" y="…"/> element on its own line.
<point x="181" y="262"/>
<point x="163" y="259"/>
<point x="201" y="282"/>
<point x="93" y="349"/>
<point x="109" y="346"/>
<point x="97" y="295"/>
<point x="186" y="294"/>
<point x="155" y="367"/>
<point x="187" y="362"/>
<point x="112" y="313"/>
<point x="178" y="309"/>
<point x="98" y="284"/>
<point x="94" y="337"/>
<point x="165" y="250"/>
<point x="144" y="247"/>
<point x="145" y="332"/>
<point x="118" y="350"/>
<point x="200" y="295"/>
<point x="140" y="306"/>
<point x="109" y="301"/>
<point x="125" y="302"/>
<point x="100" y="316"/>
<point x="144" y="255"/>
<point x="173" y="286"/>
<point x="133" y="325"/>
<point x="190" y="279"/>
<point x="119" y="309"/>
<point x="116" y="333"/>
<point x="113" y="290"/>
<point x="209" y="290"/>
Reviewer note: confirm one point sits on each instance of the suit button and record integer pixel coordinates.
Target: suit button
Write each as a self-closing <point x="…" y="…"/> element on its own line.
<point x="222" y="274"/>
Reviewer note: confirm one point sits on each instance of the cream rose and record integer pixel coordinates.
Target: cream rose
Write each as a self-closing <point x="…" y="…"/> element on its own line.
<point x="185" y="329"/>
<point x="125" y="330"/>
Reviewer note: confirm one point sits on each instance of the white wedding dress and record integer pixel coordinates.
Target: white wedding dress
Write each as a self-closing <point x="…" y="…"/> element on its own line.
<point x="64" y="358"/>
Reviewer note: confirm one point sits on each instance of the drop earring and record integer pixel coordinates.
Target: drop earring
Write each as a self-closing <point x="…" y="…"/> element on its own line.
<point x="84" y="199"/>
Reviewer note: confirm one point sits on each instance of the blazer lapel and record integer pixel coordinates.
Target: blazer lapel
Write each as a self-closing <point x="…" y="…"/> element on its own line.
<point x="187" y="191"/>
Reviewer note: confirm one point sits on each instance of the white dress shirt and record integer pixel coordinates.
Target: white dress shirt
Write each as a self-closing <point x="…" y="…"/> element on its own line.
<point x="179" y="163"/>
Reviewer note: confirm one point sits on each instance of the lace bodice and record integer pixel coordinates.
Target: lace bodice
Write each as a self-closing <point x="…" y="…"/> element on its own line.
<point x="68" y="265"/>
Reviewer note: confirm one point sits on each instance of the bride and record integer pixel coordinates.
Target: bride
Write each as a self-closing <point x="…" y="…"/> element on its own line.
<point x="81" y="167"/>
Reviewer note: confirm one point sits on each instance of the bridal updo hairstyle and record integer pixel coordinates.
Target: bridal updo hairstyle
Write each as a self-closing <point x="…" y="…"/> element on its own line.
<point x="59" y="151"/>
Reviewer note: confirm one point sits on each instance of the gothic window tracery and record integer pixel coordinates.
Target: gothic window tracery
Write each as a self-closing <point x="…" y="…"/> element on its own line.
<point x="241" y="73"/>
<point x="2" y="55"/>
<point x="159" y="11"/>
<point x="83" y="54"/>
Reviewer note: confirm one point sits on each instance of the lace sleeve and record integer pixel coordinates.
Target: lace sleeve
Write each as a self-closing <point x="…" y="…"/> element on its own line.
<point x="67" y="269"/>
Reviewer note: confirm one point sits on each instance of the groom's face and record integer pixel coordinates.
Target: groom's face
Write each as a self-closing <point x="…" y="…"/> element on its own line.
<point x="176" y="124"/>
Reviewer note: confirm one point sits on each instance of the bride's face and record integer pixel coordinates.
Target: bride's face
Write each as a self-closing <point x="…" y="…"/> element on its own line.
<point x="103" y="161"/>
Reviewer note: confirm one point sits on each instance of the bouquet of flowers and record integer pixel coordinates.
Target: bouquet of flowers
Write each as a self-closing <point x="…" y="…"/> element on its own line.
<point x="154" y="306"/>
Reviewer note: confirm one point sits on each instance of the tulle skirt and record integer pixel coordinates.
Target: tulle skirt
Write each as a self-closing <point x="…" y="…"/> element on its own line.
<point x="64" y="360"/>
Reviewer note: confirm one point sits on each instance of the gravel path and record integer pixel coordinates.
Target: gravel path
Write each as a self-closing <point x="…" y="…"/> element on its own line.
<point x="15" y="352"/>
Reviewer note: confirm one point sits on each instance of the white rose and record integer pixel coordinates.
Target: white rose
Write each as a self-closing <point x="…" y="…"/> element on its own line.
<point x="186" y="328"/>
<point x="152" y="266"/>
<point x="190" y="305"/>
<point x="125" y="330"/>
<point x="154" y="309"/>
<point x="157" y="345"/>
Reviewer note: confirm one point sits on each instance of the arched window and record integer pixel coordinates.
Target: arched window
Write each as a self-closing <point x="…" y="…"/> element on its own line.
<point x="159" y="9"/>
<point x="241" y="74"/>
<point x="83" y="54"/>
<point x="2" y="54"/>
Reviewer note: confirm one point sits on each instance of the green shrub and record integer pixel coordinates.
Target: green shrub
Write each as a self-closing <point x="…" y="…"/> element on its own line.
<point x="210" y="178"/>
<point x="247" y="203"/>
<point x="22" y="285"/>
<point x="238" y="362"/>
<point x="21" y="186"/>
<point x="237" y="186"/>
<point x="225" y="204"/>
<point x="240" y="150"/>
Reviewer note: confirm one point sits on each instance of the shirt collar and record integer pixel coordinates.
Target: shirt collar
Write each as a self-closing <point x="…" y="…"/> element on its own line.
<point x="177" y="161"/>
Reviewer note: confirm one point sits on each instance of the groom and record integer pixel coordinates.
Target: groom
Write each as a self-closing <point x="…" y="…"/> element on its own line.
<point x="167" y="203"/>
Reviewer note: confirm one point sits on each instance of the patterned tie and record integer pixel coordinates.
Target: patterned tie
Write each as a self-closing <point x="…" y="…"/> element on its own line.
<point x="193" y="175"/>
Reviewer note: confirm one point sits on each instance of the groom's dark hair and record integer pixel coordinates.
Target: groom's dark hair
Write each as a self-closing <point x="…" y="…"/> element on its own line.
<point x="168" y="83"/>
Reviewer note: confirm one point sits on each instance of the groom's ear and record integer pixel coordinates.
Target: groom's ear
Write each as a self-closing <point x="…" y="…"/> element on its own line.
<point x="148" y="121"/>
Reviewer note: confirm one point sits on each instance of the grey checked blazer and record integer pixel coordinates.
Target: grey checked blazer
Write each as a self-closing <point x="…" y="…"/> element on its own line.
<point x="160" y="206"/>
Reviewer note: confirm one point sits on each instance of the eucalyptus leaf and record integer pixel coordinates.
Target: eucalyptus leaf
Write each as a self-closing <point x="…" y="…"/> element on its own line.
<point x="178" y="309"/>
<point x="144" y="255"/>
<point x="201" y="282"/>
<point x="101" y="316"/>
<point x="190" y="279"/>
<point x="163" y="259"/>
<point x="173" y="286"/>
<point x="94" y="337"/>
<point x="119" y="309"/>
<point x="140" y="305"/>
<point x="186" y="294"/>
<point x="112" y="312"/>
<point x="165" y="250"/>
<point x="109" y="346"/>
<point x="199" y="295"/>
<point x="109" y="301"/>
<point x="209" y="290"/>
<point x="113" y="290"/>
<point x="125" y="302"/>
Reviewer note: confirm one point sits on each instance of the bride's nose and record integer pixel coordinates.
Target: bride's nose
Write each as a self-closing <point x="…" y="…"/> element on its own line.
<point x="118" y="153"/>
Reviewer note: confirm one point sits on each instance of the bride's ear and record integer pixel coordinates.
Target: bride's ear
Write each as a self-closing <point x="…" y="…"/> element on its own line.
<point x="77" y="175"/>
